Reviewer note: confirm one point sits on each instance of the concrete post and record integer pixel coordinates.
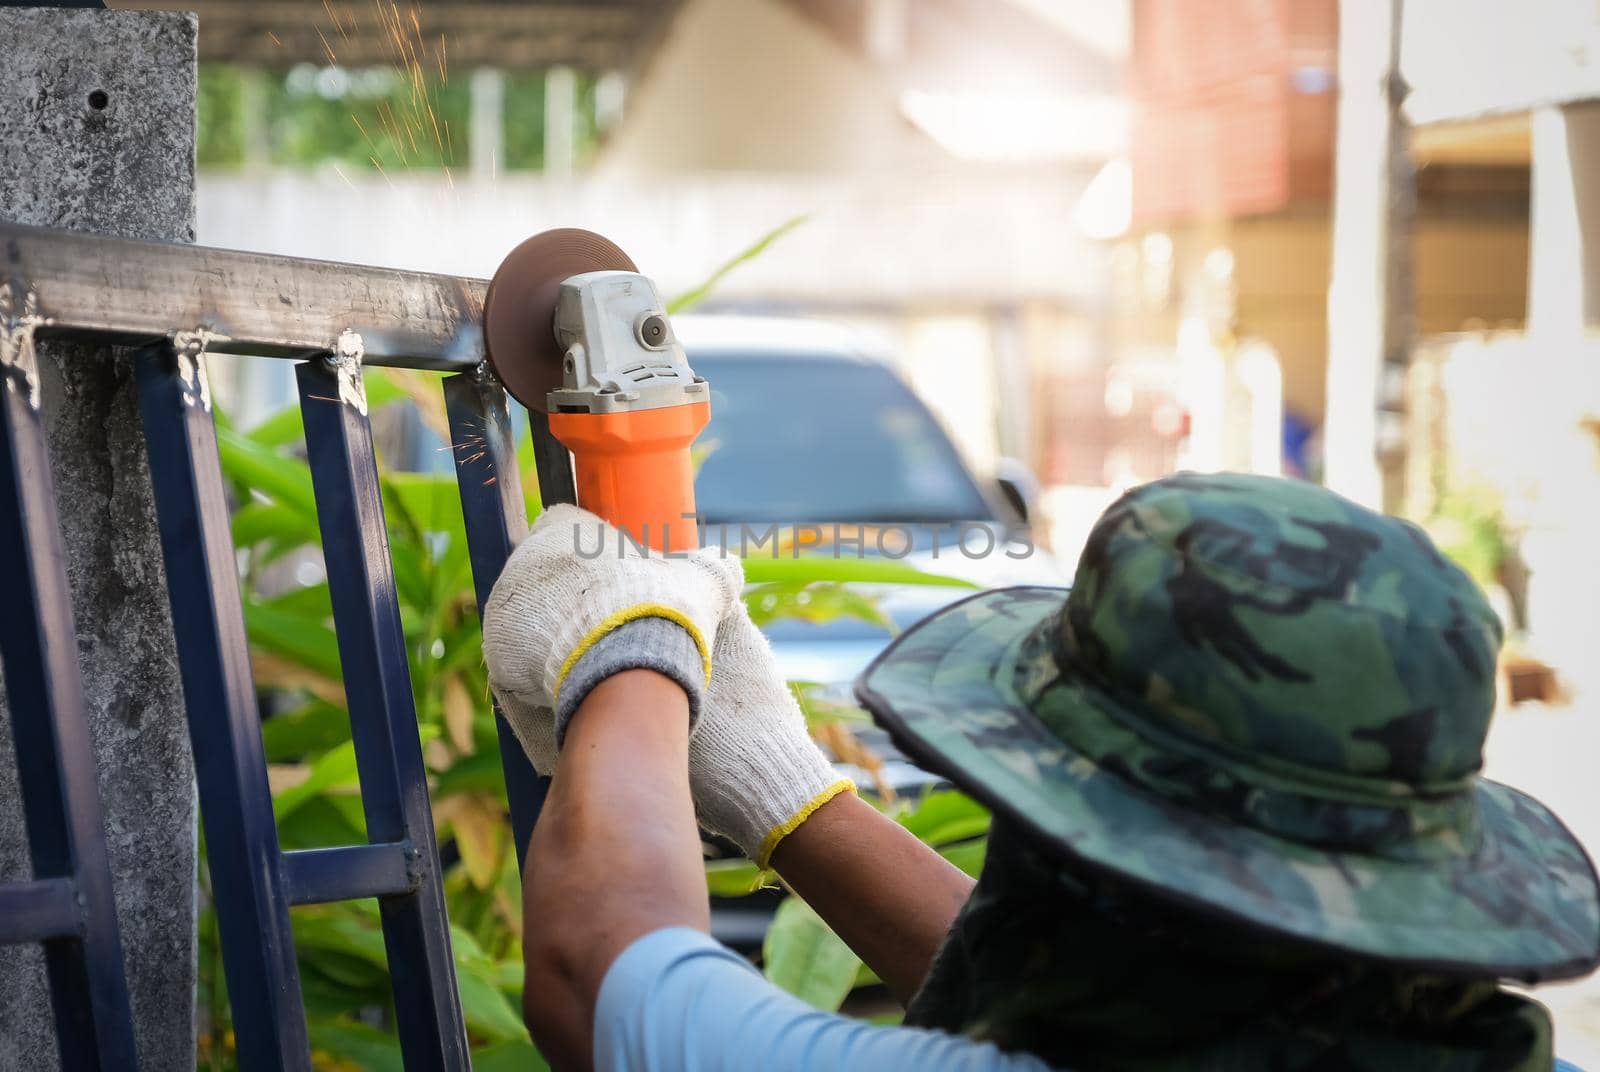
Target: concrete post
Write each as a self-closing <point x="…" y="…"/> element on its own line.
<point x="97" y="112"/>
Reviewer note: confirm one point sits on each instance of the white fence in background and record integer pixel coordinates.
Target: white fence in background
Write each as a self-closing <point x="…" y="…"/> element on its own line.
<point x="947" y="240"/>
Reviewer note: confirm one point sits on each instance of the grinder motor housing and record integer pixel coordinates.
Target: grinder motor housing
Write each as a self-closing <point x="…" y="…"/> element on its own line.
<point x="628" y="407"/>
<point x="574" y="331"/>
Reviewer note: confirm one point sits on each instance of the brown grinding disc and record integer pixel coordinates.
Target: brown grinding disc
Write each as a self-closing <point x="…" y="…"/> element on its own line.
<point x="519" y="310"/>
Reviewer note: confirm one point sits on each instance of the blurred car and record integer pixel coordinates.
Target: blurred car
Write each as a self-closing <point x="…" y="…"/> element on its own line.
<point x="810" y="428"/>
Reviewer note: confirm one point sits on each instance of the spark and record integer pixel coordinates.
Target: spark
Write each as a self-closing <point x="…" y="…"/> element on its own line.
<point x="491" y="480"/>
<point x="274" y="39"/>
<point x="394" y="126"/>
<point x="357" y="120"/>
<point x="435" y="121"/>
<point x="327" y="5"/>
<point x="333" y="61"/>
<point x="384" y="173"/>
<point x="414" y="110"/>
<point x="340" y="172"/>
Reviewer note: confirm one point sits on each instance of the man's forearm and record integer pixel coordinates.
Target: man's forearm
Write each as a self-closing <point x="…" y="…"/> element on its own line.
<point x="615" y="856"/>
<point x="887" y="895"/>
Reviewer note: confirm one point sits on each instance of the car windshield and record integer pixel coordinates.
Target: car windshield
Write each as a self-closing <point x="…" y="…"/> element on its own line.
<point x="803" y="439"/>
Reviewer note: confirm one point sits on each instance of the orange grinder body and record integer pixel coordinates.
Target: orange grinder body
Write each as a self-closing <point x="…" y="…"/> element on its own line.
<point x="574" y="331"/>
<point x="634" y="469"/>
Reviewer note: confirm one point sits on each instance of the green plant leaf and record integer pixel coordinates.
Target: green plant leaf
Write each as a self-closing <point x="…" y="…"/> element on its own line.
<point x="943" y="816"/>
<point x="303" y="639"/>
<point x="689" y="299"/>
<point x="344" y="943"/>
<point x="326" y="999"/>
<point x="431" y="499"/>
<point x="508" y="1057"/>
<point x="735" y="878"/>
<point x="323" y="822"/>
<point x="312" y="728"/>
<point x="287" y="426"/>
<point x="284" y="479"/>
<point x="463" y="648"/>
<point x="817" y="602"/>
<point x="489" y="1012"/>
<point x="466" y="946"/>
<point x="762" y="569"/>
<point x="285" y="526"/>
<point x="509" y="973"/>
<point x="801" y="955"/>
<point x="312" y="602"/>
<point x="358" y="1044"/>
<point x="477" y="773"/>
<point x="406" y="514"/>
<point x="335" y="769"/>
<point x="967" y="855"/>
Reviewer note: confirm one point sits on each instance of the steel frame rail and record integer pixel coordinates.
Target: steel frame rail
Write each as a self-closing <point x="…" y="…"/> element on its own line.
<point x="134" y="292"/>
<point x="176" y="303"/>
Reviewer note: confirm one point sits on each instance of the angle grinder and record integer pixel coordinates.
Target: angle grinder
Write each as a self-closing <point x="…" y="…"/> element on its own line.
<point x="574" y="331"/>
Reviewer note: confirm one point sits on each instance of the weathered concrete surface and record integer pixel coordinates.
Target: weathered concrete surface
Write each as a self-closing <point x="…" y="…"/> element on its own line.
<point x="97" y="134"/>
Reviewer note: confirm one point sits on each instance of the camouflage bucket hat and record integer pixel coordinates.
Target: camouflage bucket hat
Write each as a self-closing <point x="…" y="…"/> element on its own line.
<point x="1268" y="705"/>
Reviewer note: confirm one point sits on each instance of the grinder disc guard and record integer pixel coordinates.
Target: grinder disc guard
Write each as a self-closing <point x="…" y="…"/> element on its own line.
<point x="519" y="310"/>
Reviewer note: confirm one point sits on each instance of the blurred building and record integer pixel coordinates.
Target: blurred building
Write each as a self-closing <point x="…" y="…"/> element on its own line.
<point x="1226" y="262"/>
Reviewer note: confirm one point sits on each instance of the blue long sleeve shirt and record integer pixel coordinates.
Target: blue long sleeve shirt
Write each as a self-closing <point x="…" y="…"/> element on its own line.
<point x="675" y="999"/>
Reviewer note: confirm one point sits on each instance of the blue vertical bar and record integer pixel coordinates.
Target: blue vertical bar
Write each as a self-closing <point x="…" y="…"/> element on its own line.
<point x="55" y="756"/>
<point x="552" y="461"/>
<point x="224" y="722"/>
<point x="383" y="718"/>
<point x="485" y="449"/>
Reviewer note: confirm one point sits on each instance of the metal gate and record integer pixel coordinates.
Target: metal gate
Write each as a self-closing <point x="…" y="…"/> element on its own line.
<point x="174" y="304"/>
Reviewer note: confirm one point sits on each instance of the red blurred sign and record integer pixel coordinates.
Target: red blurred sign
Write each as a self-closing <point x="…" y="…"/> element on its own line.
<point x="1233" y="106"/>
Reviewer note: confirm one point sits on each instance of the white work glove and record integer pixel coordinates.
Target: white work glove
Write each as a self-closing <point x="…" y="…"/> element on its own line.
<point x="577" y="603"/>
<point x="755" y="772"/>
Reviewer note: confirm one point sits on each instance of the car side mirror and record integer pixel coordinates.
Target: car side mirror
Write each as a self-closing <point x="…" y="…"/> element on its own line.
<point x="1018" y="486"/>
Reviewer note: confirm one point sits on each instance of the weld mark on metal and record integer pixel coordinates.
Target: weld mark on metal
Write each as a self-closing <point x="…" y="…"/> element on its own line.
<point x="484" y="379"/>
<point x="19" y="361"/>
<point x="345" y="361"/>
<point x="416" y="869"/>
<point x="190" y="347"/>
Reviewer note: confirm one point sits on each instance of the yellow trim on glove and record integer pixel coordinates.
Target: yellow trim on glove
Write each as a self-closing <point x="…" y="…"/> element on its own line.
<point x="612" y="622"/>
<point x="770" y="843"/>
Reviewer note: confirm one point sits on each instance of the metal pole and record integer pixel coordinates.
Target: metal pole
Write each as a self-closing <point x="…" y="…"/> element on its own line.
<point x="1369" y="293"/>
<point x="383" y="717"/>
<point x="247" y="885"/>
<point x="69" y="905"/>
<point x="496" y="520"/>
